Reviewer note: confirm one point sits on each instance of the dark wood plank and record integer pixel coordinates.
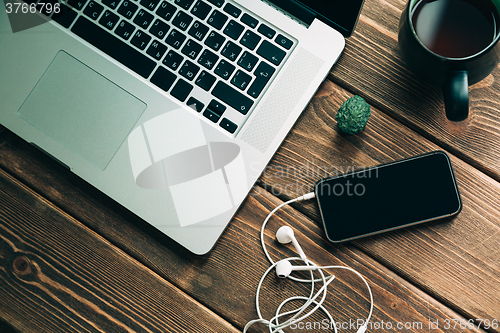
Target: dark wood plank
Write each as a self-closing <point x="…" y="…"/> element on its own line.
<point x="371" y="66"/>
<point x="456" y="261"/>
<point x="56" y="275"/>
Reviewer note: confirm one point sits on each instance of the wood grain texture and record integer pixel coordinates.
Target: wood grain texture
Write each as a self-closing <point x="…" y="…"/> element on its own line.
<point x="371" y="67"/>
<point x="71" y="259"/>
<point x="56" y="275"/>
<point x="224" y="281"/>
<point x="456" y="261"/>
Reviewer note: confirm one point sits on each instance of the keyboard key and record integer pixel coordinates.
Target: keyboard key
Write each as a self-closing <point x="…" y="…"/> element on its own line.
<point x="211" y="115"/>
<point x="283" y="42"/>
<point x="93" y="10"/>
<point x="217" y="19"/>
<point x="191" y="49"/>
<point x="184" y="4"/>
<point x="140" y="39"/>
<point x="195" y="104"/>
<point x="228" y="125"/>
<point x="231" y="51"/>
<point x="271" y="52"/>
<point x="181" y="90"/>
<point x="248" y="61"/>
<point x="224" y="69"/>
<point x="166" y="10"/>
<point x="208" y="59"/>
<point x="113" y="47"/>
<point x="109" y="20"/>
<point x="233" y="29"/>
<point x="173" y="60"/>
<point x="127" y="9"/>
<point x="266" y="31"/>
<point x="241" y="80"/>
<point x="263" y="74"/>
<point x="159" y="29"/>
<point x="214" y="41"/>
<point x="124" y="30"/>
<point x="65" y="17"/>
<point x="232" y="97"/>
<point x="205" y="80"/>
<point x="149" y="4"/>
<point x="182" y="20"/>
<point x="214" y="110"/>
<point x="201" y="10"/>
<point x="250" y="39"/>
<point x="175" y="39"/>
<point x="189" y="70"/>
<point x="198" y="30"/>
<point x="111" y="3"/>
<point x="143" y="19"/>
<point x="217" y="3"/>
<point x="249" y="20"/>
<point x="163" y="78"/>
<point x="217" y="107"/>
<point x="156" y="50"/>
<point x="77" y="4"/>
<point x="232" y="10"/>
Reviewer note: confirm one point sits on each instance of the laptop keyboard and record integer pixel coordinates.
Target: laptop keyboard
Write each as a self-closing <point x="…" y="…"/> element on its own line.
<point x="211" y="55"/>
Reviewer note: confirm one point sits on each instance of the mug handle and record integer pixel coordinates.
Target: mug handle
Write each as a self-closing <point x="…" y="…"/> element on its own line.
<point x="456" y="96"/>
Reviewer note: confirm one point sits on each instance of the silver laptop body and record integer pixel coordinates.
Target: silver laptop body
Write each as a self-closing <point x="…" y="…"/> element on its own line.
<point x="181" y="168"/>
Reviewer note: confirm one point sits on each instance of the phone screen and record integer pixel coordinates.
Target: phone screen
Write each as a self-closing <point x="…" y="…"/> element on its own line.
<point x="388" y="197"/>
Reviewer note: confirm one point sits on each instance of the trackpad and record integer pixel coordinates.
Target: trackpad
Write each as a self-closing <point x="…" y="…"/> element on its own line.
<point x="82" y="110"/>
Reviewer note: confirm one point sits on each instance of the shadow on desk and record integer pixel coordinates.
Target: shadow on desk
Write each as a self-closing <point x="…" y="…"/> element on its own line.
<point x="6" y="328"/>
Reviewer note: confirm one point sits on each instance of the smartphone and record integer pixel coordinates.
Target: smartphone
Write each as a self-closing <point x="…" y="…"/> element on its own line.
<point x="388" y="197"/>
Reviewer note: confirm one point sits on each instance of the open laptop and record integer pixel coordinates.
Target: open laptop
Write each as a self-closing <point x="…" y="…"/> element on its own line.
<point x="173" y="108"/>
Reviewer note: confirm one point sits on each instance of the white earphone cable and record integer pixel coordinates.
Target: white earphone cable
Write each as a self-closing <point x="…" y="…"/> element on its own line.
<point x="273" y="324"/>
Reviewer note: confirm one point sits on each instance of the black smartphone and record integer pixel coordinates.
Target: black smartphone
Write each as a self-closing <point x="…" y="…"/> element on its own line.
<point x="388" y="197"/>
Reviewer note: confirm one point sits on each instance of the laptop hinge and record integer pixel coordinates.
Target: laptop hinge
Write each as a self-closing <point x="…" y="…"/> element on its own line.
<point x="294" y="9"/>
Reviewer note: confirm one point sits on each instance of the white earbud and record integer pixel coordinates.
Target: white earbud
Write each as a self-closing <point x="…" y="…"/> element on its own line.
<point x="284" y="235"/>
<point x="284" y="268"/>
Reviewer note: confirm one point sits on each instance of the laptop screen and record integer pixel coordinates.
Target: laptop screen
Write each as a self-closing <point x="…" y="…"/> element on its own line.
<point x="340" y="14"/>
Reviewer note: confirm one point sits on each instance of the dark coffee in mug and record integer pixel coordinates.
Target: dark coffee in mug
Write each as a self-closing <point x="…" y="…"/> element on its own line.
<point x="451" y="44"/>
<point x="455" y="28"/>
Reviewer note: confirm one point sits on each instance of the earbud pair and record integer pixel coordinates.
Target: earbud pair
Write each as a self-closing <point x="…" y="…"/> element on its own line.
<point x="284" y="268"/>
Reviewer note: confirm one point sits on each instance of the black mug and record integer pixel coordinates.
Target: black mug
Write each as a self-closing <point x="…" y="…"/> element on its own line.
<point x="452" y="44"/>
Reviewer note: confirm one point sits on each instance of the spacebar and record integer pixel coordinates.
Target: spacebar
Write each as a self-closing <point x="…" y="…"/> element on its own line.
<point x="113" y="47"/>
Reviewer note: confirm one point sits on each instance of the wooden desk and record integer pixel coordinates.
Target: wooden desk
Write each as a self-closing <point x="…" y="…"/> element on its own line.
<point x="72" y="260"/>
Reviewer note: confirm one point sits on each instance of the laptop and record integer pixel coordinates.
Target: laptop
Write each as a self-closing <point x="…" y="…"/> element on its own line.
<point x="173" y="108"/>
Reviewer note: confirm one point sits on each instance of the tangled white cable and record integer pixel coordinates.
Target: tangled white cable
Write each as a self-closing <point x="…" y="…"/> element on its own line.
<point x="283" y="270"/>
